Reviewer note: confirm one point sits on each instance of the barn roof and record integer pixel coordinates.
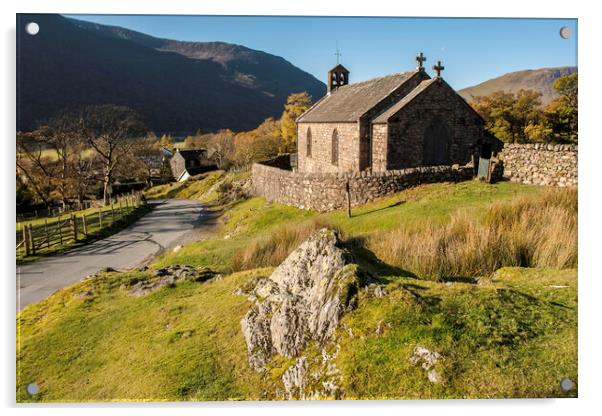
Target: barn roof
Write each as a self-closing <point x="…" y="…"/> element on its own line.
<point x="192" y="154"/>
<point x="348" y="103"/>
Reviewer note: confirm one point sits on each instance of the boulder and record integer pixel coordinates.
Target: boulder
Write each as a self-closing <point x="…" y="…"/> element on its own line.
<point x="302" y="300"/>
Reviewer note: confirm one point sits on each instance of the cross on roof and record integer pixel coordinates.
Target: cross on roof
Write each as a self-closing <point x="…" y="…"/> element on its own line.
<point x="420" y="58"/>
<point x="438" y="68"/>
<point x="338" y="53"/>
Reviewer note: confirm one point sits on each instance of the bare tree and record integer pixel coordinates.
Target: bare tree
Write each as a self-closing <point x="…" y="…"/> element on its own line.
<point x="109" y="130"/>
<point x="49" y="151"/>
<point x="221" y="145"/>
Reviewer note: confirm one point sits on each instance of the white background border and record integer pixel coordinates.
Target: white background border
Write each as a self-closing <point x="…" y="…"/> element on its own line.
<point x="590" y="293"/>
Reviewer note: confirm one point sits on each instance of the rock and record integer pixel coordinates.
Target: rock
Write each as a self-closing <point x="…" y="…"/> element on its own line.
<point x="294" y="379"/>
<point x="177" y="248"/>
<point x="427" y="359"/>
<point x="302" y="300"/>
<point x="375" y="290"/>
<point x="170" y="276"/>
<point x="256" y="330"/>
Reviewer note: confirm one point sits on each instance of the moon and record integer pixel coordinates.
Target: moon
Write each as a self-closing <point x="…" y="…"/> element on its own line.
<point x="565" y="32"/>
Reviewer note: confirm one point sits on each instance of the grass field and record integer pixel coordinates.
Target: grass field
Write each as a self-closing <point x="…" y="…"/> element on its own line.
<point x="508" y="333"/>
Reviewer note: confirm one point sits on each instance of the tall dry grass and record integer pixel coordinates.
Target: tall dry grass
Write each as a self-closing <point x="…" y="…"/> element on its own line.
<point x="272" y="248"/>
<point x="538" y="230"/>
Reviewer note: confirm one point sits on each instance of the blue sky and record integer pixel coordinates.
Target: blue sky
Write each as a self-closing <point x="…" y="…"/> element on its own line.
<point x="472" y="50"/>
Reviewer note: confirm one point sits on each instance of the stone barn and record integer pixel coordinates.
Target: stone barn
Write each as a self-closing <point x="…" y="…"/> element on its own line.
<point x="187" y="163"/>
<point x="394" y="122"/>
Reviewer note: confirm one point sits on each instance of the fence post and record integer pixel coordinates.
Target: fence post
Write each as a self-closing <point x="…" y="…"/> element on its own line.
<point x="348" y="191"/>
<point x="85" y="225"/>
<point x="74" y="226"/>
<point x="46" y="233"/>
<point x="112" y="214"/>
<point x="120" y="208"/>
<point x="32" y="245"/>
<point x="26" y="240"/>
<point x="127" y="205"/>
<point x="60" y="230"/>
<point x="100" y="218"/>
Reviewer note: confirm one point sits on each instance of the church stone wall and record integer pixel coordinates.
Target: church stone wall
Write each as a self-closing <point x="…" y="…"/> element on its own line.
<point x="540" y="164"/>
<point x="407" y="128"/>
<point x="321" y="148"/>
<point x="379" y="147"/>
<point x="327" y="191"/>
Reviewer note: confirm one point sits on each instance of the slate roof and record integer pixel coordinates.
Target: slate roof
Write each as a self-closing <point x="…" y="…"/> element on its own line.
<point x="348" y="103"/>
<point x="193" y="154"/>
<point x="384" y="116"/>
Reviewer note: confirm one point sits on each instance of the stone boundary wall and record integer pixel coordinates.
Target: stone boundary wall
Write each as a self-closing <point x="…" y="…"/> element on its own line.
<point x="540" y="164"/>
<point x="327" y="191"/>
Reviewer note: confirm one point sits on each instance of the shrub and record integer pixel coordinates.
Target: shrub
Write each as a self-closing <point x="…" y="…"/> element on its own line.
<point x="532" y="231"/>
<point x="271" y="249"/>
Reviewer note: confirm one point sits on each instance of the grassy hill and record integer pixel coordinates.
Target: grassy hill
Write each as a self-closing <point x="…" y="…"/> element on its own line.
<point x="534" y="79"/>
<point x="506" y="329"/>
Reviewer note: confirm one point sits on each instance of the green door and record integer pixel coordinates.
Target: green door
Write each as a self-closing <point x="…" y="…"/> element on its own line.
<point x="483" y="172"/>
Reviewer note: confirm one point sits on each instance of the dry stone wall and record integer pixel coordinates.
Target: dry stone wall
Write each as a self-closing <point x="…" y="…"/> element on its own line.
<point x="540" y="164"/>
<point x="327" y="191"/>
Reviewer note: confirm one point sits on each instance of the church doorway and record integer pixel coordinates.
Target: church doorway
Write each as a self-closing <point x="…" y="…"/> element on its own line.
<point x="437" y="139"/>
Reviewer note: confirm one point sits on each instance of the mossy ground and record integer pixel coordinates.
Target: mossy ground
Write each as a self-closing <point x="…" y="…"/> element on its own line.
<point x="512" y="335"/>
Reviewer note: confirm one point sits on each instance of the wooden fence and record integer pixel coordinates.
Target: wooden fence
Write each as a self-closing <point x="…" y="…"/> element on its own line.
<point x="48" y="235"/>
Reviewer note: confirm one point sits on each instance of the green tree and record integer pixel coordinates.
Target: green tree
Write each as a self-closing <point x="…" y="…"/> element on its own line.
<point x="296" y="104"/>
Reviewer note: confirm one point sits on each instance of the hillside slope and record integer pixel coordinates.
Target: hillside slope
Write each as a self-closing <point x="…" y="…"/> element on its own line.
<point x="510" y="334"/>
<point x="535" y="79"/>
<point x="175" y="86"/>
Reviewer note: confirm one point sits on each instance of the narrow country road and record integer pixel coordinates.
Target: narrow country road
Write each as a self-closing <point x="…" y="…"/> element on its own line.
<point x="170" y="222"/>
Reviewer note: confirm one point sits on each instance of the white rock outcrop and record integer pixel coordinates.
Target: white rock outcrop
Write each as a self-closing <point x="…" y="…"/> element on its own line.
<point x="302" y="300"/>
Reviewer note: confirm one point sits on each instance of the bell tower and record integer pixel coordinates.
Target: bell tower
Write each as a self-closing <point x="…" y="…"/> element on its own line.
<point x="337" y="77"/>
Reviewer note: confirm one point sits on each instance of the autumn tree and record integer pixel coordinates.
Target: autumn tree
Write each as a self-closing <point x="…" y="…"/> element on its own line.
<point x="562" y="112"/>
<point x="33" y="169"/>
<point x="166" y="141"/>
<point x="296" y="104"/>
<point x="512" y="118"/>
<point x="189" y="142"/>
<point x="51" y="153"/>
<point x="109" y="130"/>
<point x="259" y="144"/>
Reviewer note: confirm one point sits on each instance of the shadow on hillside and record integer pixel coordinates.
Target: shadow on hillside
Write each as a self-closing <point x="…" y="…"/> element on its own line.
<point x="367" y="260"/>
<point x="393" y="205"/>
<point x="459" y="279"/>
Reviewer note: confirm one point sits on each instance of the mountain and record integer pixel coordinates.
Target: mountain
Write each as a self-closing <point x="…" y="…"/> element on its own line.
<point x="176" y="86"/>
<point x="535" y="79"/>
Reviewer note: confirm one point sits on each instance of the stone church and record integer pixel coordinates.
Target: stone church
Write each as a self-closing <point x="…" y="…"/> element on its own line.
<point x="394" y="122"/>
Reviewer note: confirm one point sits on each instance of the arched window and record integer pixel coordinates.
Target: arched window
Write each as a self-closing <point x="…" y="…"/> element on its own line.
<point x="308" y="138"/>
<point x="335" y="148"/>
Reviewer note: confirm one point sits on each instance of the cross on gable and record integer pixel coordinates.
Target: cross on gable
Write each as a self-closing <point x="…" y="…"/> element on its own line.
<point x="438" y="68"/>
<point x="338" y="53"/>
<point x="420" y="58"/>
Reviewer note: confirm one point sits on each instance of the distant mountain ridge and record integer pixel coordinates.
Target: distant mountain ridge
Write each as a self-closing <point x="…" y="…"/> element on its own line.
<point x="176" y="86"/>
<point x="540" y="80"/>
